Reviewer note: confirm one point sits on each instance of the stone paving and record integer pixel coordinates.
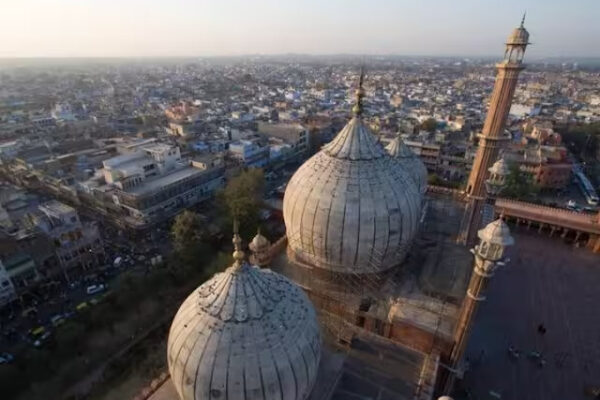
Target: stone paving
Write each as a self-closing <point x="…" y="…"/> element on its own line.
<point x="547" y="282"/>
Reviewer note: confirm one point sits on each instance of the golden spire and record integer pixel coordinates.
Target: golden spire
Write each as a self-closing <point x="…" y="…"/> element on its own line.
<point x="360" y="93"/>
<point x="238" y="253"/>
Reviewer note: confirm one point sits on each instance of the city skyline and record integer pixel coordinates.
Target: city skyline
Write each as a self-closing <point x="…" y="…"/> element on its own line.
<point x="182" y="28"/>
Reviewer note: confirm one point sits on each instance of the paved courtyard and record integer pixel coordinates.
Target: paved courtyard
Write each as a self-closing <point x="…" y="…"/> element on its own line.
<point x="551" y="283"/>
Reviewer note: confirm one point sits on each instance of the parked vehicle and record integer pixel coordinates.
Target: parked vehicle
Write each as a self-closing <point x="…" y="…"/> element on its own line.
<point x="42" y="339"/>
<point x="93" y="289"/>
<point x="38" y="331"/>
<point x="57" y="320"/>
<point x="29" y="312"/>
<point x="95" y="301"/>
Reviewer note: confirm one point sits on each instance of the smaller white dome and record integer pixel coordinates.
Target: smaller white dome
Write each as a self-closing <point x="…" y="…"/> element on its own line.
<point x="500" y="168"/>
<point x="409" y="161"/>
<point x="259" y="243"/>
<point x="496" y="232"/>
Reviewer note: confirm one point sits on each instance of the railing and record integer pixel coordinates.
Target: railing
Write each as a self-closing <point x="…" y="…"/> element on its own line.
<point x="549" y="215"/>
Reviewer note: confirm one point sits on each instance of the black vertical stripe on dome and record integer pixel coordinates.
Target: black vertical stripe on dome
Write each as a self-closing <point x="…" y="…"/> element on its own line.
<point x="258" y="361"/>
<point x="219" y="282"/>
<point x="212" y="364"/>
<point x="274" y="363"/>
<point x="291" y="363"/>
<point x="306" y="369"/>
<point x="341" y="260"/>
<point x="326" y="239"/>
<point x="313" y="179"/>
<point x="359" y="226"/>
<point x="374" y="239"/>
<point x="312" y="237"/>
<point x="402" y="199"/>
<point x="389" y="224"/>
<point x="222" y="297"/>
<point x="228" y="369"/>
<point x="181" y="316"/>
<point x="182" y="334"/>
<point x="201" y="356"/>
<point x="297" y="185"/>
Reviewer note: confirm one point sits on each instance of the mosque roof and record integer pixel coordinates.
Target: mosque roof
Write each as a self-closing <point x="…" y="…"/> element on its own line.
<point x="352" y="207"/>
<point x="246" y="333"/>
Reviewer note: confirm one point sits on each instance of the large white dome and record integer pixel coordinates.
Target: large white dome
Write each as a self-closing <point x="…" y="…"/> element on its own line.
<point x="247" y="333"/>
<point x="351" y="207"/>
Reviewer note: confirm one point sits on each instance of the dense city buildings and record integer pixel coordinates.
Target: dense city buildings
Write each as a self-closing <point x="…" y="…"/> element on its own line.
<point x="77" y="245"/>
<point x="391" y="198"/>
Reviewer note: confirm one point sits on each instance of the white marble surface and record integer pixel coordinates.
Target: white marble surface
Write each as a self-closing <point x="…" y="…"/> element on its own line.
<point x="352" y="207"/>
<point x="247" y="333"/>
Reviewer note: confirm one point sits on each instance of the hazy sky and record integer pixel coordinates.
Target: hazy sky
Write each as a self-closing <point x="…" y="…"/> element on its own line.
<point x="84" y="28"/>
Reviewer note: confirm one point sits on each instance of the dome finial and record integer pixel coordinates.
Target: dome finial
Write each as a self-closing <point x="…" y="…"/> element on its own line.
<point x="238" y="253"/>
<point x="523" y="19"/>
<point x="358" y="107"/>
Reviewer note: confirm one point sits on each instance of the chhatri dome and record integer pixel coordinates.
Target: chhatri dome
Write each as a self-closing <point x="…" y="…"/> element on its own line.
<point x="260" y="250"/>
<point x="351" y="207"/>
<point x="519" y="35"/>
<point x="409" y="161"/>
<point x="247" y="333"/>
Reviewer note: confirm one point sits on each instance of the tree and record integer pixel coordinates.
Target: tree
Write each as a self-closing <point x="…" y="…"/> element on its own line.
<point x="583" y="140"/>
<point x="186" y="230"/>
<point x="429" y="125"/>
<point x="519" y="184"/>
<point x="242" y="198"/>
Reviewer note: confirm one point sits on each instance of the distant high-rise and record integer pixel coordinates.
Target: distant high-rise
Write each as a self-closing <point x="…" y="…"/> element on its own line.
<point x="493" y="135"/>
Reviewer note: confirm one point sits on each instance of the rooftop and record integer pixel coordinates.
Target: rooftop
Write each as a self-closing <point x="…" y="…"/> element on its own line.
<point x="56" y="207"/>
<point x="369" y="369"/>
<point x="150" y="185"/>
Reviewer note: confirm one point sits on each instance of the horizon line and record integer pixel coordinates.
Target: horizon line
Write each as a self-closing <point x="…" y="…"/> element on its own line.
<point x="246" y="55"/>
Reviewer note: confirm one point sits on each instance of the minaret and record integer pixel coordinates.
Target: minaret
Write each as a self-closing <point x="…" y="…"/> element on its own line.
<point x="489" y="255"/>
<point x="493" y="136"/>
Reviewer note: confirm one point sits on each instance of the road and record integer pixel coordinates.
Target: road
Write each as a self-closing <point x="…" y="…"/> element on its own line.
<point x="65" y="296"/>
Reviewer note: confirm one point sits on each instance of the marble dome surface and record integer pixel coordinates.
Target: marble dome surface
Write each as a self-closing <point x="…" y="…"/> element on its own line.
<point x="351" y="208"/>
<point x="247" y="333"/>
<point x="409" y="161"/>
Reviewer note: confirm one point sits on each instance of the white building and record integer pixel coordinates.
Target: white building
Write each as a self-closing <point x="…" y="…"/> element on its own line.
<point x="153" y="182"/>
<point x="249" y="152"/>
<point x="76" y="245"/>
<point x="129" y="170"/>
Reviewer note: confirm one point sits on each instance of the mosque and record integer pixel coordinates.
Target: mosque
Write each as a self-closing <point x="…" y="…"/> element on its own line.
<point x="343" y="312"/>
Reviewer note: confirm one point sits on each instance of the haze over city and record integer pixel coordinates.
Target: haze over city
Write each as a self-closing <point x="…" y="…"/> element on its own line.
<point x="151" y="28"/>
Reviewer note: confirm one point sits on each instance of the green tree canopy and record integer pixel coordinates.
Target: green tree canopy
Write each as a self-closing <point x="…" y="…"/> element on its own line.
<point x="519" y="184"/>
<point x="583" y="139"/>
<point x="429" y="125"/>
<point x="242" y="198"/>
<point x="187" y="230"/>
